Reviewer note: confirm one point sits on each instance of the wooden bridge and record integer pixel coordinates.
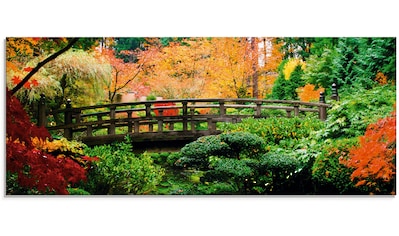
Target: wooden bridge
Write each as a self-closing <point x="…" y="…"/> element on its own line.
<point x="165" y="120"/>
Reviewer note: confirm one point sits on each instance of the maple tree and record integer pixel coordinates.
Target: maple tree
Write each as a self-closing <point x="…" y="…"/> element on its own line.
<point x="176" y="70"/>
<point x="124" y="75"/>
<point x="39" y="65"/>
<point x="35" y="167"/>
<point x="212" y="67"/>
<point x="374" y="161"/>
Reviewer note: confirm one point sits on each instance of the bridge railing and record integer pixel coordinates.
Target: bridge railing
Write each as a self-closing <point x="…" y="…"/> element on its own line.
<point x="169" y="118"/>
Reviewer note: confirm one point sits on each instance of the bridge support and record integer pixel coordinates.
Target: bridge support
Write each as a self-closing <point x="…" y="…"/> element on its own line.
<point x="334" y="92"/>
<point x="68" y="120"/>
<point x="322" y="109"/>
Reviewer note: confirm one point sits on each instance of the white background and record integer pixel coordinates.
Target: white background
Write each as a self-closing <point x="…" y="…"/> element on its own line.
<point x="167" y="215"/>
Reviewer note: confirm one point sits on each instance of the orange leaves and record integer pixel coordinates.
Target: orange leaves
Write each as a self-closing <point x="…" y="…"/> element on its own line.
<point x="374" y="160"/>
<point x="16" y="79"/>
<point x="27" y="85"/>
<point x="381" y="78"/>
<point x="28" y="69"/>
<point x="211" y="67"/>
<point x="309" y="93"/>
<point x="123" y="73"/>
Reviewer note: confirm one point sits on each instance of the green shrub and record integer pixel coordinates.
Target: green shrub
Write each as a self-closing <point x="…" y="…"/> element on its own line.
<point x="77" y="191"/>
<point x="356" y="110"/>
<point x="159" y="158"/>
<point x="274" y="130"/>
<point x="270" y="174"/>
<point x="230" y="145"/>
<point x="281" y="171"/>
<point x="119" y="171"/>
<point x="217" y="188"/>
<point x="172" y="159"/>
<point x="329" y="176"/>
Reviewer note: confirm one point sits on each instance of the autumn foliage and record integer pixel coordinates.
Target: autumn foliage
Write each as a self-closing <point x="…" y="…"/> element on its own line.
<point x="166" y="111"/>
<point x="374" y="160"/>
<point x="308" y="93"/>
<point x="36" y="168"/>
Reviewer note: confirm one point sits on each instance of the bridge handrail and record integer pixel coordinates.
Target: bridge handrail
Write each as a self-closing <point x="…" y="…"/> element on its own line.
<point x="183" y="110"/>
<point x="191" y="100"/>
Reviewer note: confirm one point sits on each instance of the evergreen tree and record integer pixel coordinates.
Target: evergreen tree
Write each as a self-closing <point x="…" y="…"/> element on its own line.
<point x="285" y="89"/>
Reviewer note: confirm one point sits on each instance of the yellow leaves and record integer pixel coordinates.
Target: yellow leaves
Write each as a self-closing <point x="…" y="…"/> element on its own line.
<point x="209" y="67"/>
<point x="20" y="47"/>
<point x="61" y="145"/>
<point x="289" y="67"/>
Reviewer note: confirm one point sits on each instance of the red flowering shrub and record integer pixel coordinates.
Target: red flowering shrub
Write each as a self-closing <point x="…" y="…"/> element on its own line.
<point x="35" y="168"/>
<point x="373" y="162"/>
<point x="166" y="111"/>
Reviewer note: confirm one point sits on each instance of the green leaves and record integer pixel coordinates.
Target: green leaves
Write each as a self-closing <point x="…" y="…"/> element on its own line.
<point x="236" y="145"/>
<point x="119" y="171"/>
<point x="275" y="130"/>
<point x="350" y="117"/>
<point x="329" y="176"/>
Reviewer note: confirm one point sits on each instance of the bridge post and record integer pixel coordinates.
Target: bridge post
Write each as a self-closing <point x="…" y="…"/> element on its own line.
<point x="136" y="127"/>
<point x="296" y="110"/>
<point x="129" y="123"/>
<point x="322" y="109"/>
<point x="160" y="120"/>
<point x="185" y="113"/>
<point x="192" y="121"/>
<point x="41" y="118"/>
<point x="258" y="109"/>
<point x="148" y="109"/>
<point x="334" y="92"/>
<point x="111" y="128"/>
<point x="222" y="108"/>
<point x="211" y="125"/>
<point x="68" y="119"/>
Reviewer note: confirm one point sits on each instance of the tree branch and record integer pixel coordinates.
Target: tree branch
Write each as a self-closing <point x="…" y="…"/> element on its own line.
<point x="42" y="63"/>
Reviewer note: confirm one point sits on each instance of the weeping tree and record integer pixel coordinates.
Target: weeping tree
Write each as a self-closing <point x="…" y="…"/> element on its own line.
<point x="58" y="74"/>
<point x="81" y="76"/>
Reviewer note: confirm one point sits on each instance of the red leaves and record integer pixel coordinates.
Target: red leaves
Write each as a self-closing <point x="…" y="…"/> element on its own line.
<point x="166" y="111"/>
<point x="35" y="168"/>
<point x="28" y="69"/>
<point x="16" y="79"/>
<point x="27" y="85"/>
<point x="374" y="160"/>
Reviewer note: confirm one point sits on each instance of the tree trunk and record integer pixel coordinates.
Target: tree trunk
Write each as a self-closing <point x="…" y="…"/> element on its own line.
<point x="255" y="82"/>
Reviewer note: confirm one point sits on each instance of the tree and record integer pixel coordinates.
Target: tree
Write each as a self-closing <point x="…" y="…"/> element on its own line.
<point x="128" y="44"/>
<point x="176" y="70"/>
<point x="29" y="167"/>
<point x="210" y="67"/>
<point x="289" y="80"/>
<point x="296" y="47"/>
<point x="255" y="59"/>
<point x="270" y="58"/>
<point x="71" y="42"/>
<point x="320" y="69"/>
<point x="80" y="75"/>
<point x="123" y="74"/>
<point x="231" y="67"/>
<point x="374" y="161"/>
